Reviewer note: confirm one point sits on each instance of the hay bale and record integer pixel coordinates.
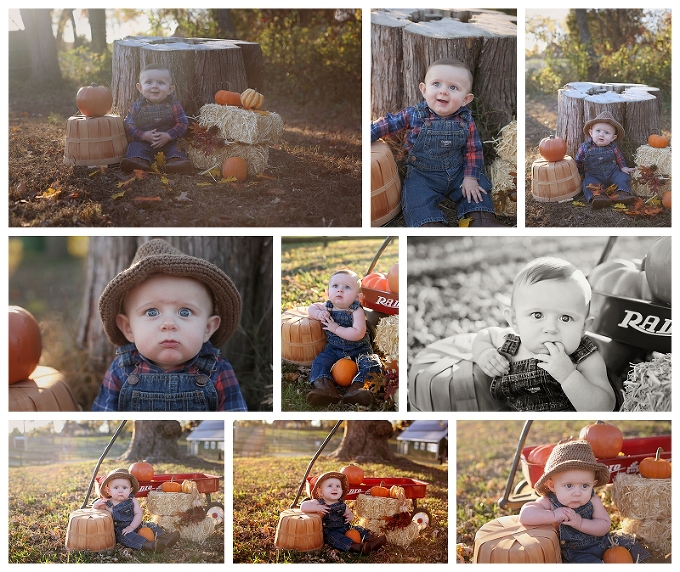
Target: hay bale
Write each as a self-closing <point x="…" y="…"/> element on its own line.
<point x="255" y="156"/>
<point x="648" y="386"/>
<point x="372" y="524"/>
<point x="648" y="156"/>
<point x="387" y="336"/>
<point x="403" y="536"/>
<point x="503" y="177"/>
<point x="195" y="532"/>
<point x="506" y="144"/>
<point x="640" y="498"/>
<point x="655" y="534"/>
<point x="242" y="125"/>
<point x="160" y="503"/>
<point x="367" y="506"/>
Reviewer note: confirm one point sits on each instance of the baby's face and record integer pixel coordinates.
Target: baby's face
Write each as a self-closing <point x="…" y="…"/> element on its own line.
<point x="155" y="85"/>
<point x="331" y="490"/>
<point x="549" y="311"/>
<point x="602" y="133"/>
<point x="572" y="488"/>
<point x="446" y="89"/>
<point x="343" y="289"/>
<point x="168" y="318"/>
<point x="119" y="489"/>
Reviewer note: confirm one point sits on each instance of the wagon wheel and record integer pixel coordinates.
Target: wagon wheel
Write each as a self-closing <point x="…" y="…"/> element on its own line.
<point x="215" y="510"/>
<point x="521" y="486"/>
<point x="421" y="517"/>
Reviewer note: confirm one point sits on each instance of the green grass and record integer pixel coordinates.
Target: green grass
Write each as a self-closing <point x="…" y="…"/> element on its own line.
<point x="41" y="499"/>
<point x="265" y="487"/>
<point x="305" y="269"/>
<point x="484" y="454"/>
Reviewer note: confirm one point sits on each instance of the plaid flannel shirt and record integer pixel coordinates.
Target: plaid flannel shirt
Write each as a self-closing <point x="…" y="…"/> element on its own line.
<point x="229" y="396"/>
<point x="585" y="148"/>
<point x="135" y="134"/>
<point x="408" y="120"/>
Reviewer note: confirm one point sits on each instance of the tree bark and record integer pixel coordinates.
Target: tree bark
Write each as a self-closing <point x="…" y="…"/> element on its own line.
<point x="365" y="442"/>
<point x="200" y="68"/>
<point x="486" y="42"/>
<point x="42" y="46"/>
<point x="155" y="442"/>
<point x="97" y="18"/>
<point x="584" y="33"/>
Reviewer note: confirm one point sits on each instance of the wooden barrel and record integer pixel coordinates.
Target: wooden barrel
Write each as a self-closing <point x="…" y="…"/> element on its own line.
<point x="90" y="529"/>
<point x="45" y="390"/>
<point x="302" y="338"/>
<point x="555" y="181"/>
<point x="92" y="141"/>
<point x="299" y="531"/>
<point x="385" y="185"/>
<point x="506" y="541"/>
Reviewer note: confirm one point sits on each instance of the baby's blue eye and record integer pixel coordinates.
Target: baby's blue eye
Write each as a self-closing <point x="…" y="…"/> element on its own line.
<point x="436" y="84"/>
<point x="453" y="88"/>
<point x="184" y="312"/>
<point x="537" y="315"/>
<point x="565" y="319"/>
<point x="152" y="313"/>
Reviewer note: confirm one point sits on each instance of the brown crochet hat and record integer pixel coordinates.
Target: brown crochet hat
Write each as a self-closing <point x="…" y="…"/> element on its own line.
<point x="331" y="475"/>
<point x="568" y="456"/>
<point x="159" y="257"/>
<point x="117" y="474"/>
<point x="606" y="117"/>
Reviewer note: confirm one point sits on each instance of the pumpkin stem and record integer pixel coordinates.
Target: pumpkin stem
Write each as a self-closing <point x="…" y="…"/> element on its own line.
<point x="658" y="454"/>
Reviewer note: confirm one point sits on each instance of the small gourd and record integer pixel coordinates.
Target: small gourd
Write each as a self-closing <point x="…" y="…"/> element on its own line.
<point x="353" y="534"/>
<point x="655" y="467"/>
<point x="343" y="371"/>
<point x="379" y="491"/>
<point x="94" y="100"/>
<point x="142" y="471"/>
<point x="224" y="97"/>
<point x="552" y="148"/>
<point x="147" y="533"/>
<point x="171" y="487"/>
<point x="188" y="486"/>
<point x="235" y="167"/>
<point x="397" y="492"/>
<point x="25" y="343"/>
<point x="666" y="199"/>
<point x="354" y="474"/>
<point x="251" y="99"/>
<point x="617" y="555"/>
<point x="657" y="141"/>
<point x="605" y="439"/>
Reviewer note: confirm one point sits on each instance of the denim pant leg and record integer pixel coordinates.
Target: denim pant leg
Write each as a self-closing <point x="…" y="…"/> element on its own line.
<point x="423" y="191"/>
<point x="463" y="206"/>
<point x="140" y="150"/>
<point x="322" y="364"/>
<point x="621" y="180"/>
<point x="368" y="363"/>
<point x="589" y="179"/>
<point x="592" y="554"/>
<point x="172" y="151"/>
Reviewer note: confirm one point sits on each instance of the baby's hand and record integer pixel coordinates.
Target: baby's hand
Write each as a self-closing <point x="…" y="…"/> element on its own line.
<point x="349" y="516"/>
<point x="160" y="139"/>
<point x="493" y="363"/>
<point x="628" y="170"/>
<point x="561" y="514"/>
<point x="472" y="191"/>
<point x="330" y="324"/>
<point x="573" y="518"/>
<point x="99" y="504"/>
<point x="557" y="363"/>
<point x="323" y="315"/>
<point x="127" y="530"/>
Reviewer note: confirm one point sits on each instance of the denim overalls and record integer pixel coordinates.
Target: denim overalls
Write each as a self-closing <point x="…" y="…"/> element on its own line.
<point x="334" y="526"/>
<point x="123" y="513"/>
<point x="156" y="116"/>
<point x="167" y="391"/>
<point x="337" y="348"/>
<point x="600" y="167"/>
<point x="435" y="170"/>
<point x="528" y="387"/>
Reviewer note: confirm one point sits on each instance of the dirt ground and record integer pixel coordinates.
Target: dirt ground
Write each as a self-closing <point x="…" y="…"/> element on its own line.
<point x="317" y="161"/>
<point x="541" y="121"/>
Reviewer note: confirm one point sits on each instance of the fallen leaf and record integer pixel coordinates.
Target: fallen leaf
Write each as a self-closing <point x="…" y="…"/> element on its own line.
<point x="578" y="204"/>
<point x="165" y="180"/>
<point x="160" y="159"/>
<point x="464" y="222"/>
<point x="619" y="206"/>
<point x="118" y="195"/>
<point x="203" y="184"/>
<point x="147" y="199"/>
<point x="183" y="197"/>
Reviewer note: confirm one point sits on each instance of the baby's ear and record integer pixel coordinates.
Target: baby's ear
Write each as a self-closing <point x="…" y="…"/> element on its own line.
<point x="139" y="87"/>
<point x="511" y="317"/>
<point x="211" y="327"/>
<point x="468" y="98"/>
<point x="588" y="323"/>
<point x="123" y="323"/>
<point x="423" y="88"/>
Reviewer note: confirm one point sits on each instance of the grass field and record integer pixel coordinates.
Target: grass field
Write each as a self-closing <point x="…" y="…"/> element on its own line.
<point x="484" y="454"/>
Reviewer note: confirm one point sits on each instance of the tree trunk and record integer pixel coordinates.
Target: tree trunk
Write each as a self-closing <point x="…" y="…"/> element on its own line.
<point x="365" y="442"/>
<point x="42" y="46"/>
<point x="64" y="17"/>
<point x="484" y="40"/>
<point x="200" y="68"/>
<point x="97" y="17"/>
<point x="246" y="260"/>
<point x="632" y="105"/>
<point x="584" y="34"/>
<point x="155" y="442"/>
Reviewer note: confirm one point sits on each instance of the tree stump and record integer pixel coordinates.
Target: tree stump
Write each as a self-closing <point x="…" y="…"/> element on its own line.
<point x="200" y="67"/>
<point x="634" y="106"/>
<point x="404" y="42"/>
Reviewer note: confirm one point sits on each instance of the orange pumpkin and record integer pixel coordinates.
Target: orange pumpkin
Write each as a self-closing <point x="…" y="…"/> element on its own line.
<point x="378" y="491"/>
<point x="224" y="97"/>
<point x="354" y="474"/>
<point x="251" y="99"/>
<point x="655" y="467"/>
<point x="658" y="268"/>
<point x="539" y="455"/>
<point x="376" y="281"/>
<point x="393" y="279"/>
<point x="94" y="100"/>
<point x="343" y="371"/>
<point x="605" y="439"/>
<point x="552" y="148"/>
<point x="353" y="533"/>
<point x="25" y="343"/>
<point x="658" y="141"/>
<point x="617" y="555"/>
<point x="141" y="470"/>
<point x="666" y="199"/>
<point x="235" y="167"/>
<point x="171" y="487"/>
<point x="147" y="533"/>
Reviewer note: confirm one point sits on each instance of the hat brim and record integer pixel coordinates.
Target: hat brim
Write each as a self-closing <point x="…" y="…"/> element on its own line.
<point x="331" y="475"/>
<point x="113" y="475"/>
<point x="601" y="474"/>
<point x="620" y="131"/>
<point x="226" y="297"/>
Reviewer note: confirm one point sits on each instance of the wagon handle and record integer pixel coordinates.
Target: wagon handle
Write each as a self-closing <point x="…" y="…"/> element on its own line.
<point x="503" y="502"/>
<point x="311" y="463"/>
<point x="385" y="243"/>
<point x="607" y="249"/>
<point x="101" y="459"/>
